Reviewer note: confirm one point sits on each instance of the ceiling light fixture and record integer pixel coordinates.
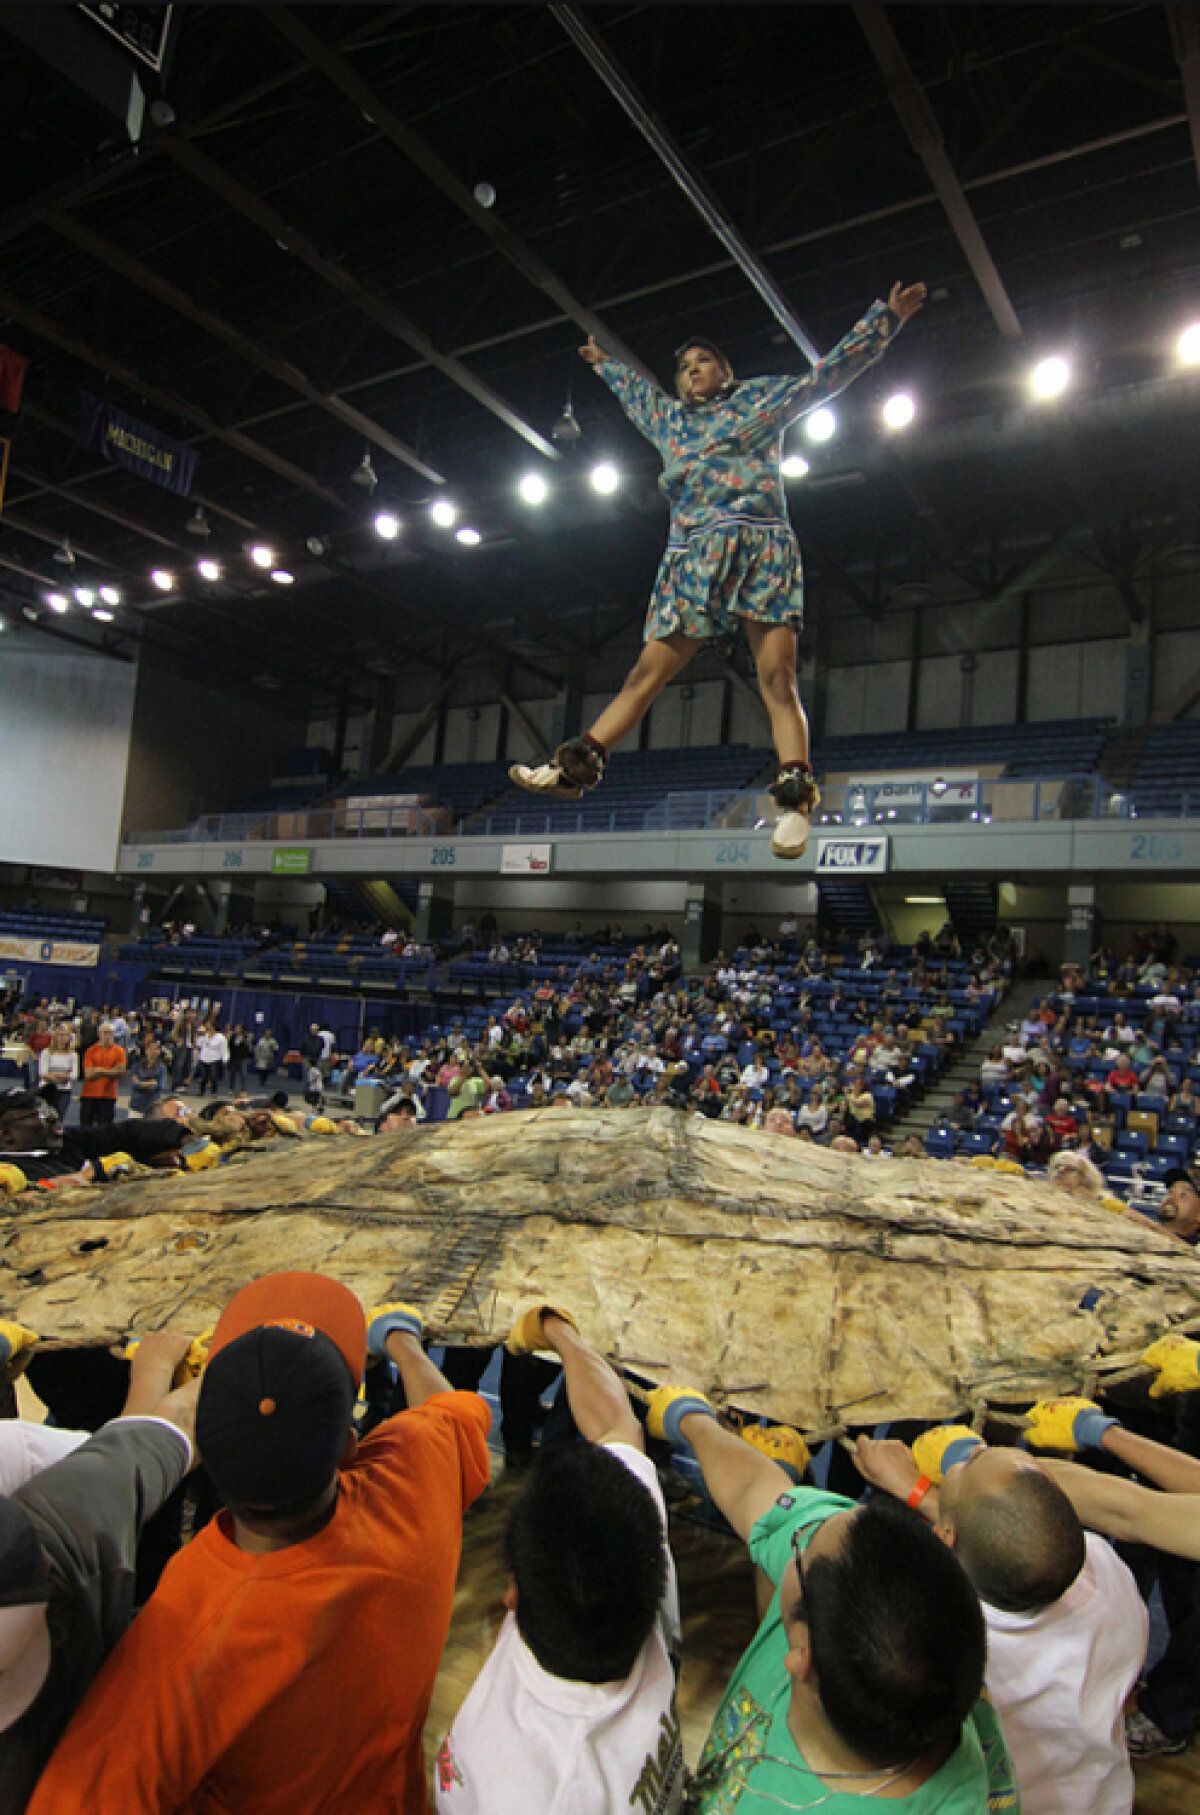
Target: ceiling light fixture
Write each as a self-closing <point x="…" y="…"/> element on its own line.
<point x="470" y="538"/>
<point x="364" y="473"/>
<point x="262" y="556"/>
<point x="444" y="513"/>
<point x="209" y="570"/>
<point x="282" y="577"/>
<point x="533" y="488"/>
<point x="102" y="616"/>
<point x="794" y="466"/>
<point x="1050" y="377"/>
<point x="65" y="555"/>
<point x="821" y="425"/>
<point x="85" y="597"/>
<point x="163" y="580"/>
<point x="1187" y="347"/>
<point x="899" y="410"/>
<point x="198" y="523"/>
<point x="387" y="526"/>
<point x="110" y="595"/>
<point x="58" y="601"/>
<point x="605" y="478"/>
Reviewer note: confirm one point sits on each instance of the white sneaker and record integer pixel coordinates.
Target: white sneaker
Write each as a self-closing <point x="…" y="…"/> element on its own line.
<point x="790" y="837"/>
<point x="548" y="778"/>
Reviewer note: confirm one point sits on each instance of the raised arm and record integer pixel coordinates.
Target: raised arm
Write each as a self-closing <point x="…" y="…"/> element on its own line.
<point x="1122" y="1509"/>
<point x="743" y="1481"/>
<point x="647" y="407"/>
<point x="595" y="1393"/>
<point x="394" y="1333"/>
<point x="868" y="340"/>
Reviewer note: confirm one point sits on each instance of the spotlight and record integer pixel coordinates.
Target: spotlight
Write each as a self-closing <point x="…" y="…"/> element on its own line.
<point x="605" y="478"/>
<point x="533" y="488"/>
<point x="58" y="601"/>
<point x="85" y="596"/>
<point x="163" y="580"/>
<point x="1188" y="345"/>
<point x="65" y="555"/>
<point x="364" y="473"/>
<point x="282" y="577"/>
<point x="262" y="556"/>
<point x="444" y="513"/>
<point x="209" y="570"/>
<point x="470" y="538"/>
<point x="566" y="430"/>
<point x="794" y="467"/>
<point x="110" y="595"/>
<point x="821" y="425"/>
<point x="899" y="410"/>
<point x="1050" y="377"/>
<point x="101" y="616"/>
<point x="387" y="527"/>
<point x="198" y="523"/>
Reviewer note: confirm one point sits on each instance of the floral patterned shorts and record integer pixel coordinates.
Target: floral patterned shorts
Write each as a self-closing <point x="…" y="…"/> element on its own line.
<point x="718" y="576"/>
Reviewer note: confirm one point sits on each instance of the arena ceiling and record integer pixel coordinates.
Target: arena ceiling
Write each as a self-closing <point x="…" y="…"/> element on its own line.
<point x="291" y="271"/>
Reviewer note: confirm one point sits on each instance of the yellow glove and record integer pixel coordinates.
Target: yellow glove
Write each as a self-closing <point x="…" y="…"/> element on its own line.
<point x="667" y="1405"/>
<point x="16" y="1345"/>
<point x="1068" y="1424"/>
<point x="983" y="1162"/>
<point x="12" y="1180"/>
<point x="939" y="1449"/>
<point x="1117" y="1205"/>
<point x="383" y="1320"/>
<point x="1013" y="1167"/>
<point x="199" y="1156"/>
<point x="528" y="1335"/>
<point x="1178" y="1362"/>
<point x="782" y="1444"/>
<point x="114" y="1166"/>
<point x="321" y="1124"/>
<point x="193" y="1363"/>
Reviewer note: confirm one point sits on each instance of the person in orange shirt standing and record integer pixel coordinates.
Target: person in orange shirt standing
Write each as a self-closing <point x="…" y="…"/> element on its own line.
<point x="103" y="1064"/>
<point x="284" y="1664"/>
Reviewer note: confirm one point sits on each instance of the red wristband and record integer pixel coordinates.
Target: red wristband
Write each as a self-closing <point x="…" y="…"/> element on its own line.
<point x="920" y="1488"/>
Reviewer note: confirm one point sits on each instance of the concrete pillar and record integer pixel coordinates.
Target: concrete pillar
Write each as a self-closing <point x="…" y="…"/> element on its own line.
<point x="435" y="912"/>
<point x="1079" y="936"/>
<point x="702" y="908"/>
<point x="224" y="893"/>
<point x="137" y="908"/>
<point x="1137" y="678"/>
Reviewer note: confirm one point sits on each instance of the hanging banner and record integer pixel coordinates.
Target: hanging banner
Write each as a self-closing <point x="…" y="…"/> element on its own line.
<point x="48" y="951"/>
<point x="133" y="444"/>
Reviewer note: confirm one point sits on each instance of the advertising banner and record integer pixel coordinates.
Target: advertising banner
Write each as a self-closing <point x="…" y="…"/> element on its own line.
<point x="525" y="859"/>
<point x="48" y="951"/>
<point x="291" y="860"/>
<point x="862" y="856"/>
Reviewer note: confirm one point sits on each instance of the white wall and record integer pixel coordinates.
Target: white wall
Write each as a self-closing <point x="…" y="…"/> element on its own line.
<point x="64" y="753"/>
<point x="1077" y="680"/>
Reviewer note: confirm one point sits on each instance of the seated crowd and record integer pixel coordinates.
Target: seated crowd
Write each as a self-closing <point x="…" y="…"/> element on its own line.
<point x="956" y="1633"/>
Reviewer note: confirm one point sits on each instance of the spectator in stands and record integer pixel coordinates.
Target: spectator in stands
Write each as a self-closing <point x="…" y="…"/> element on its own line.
<point x="1067" y="1629"/>
<point x="1158" y="1082"/>
<point x="1021" y="1135"/>
<point x="576" y="1705"/>
<point x="1061" y="1126"/>
<point x="1179" y="1211"/>
<point x="147" y="1079"/>
<point x="212" y="1056"/>
<point x="266" y="1049"/>
<point x="860" y="1109"/>
<point x="326" y="1553"/>
<point x="873" y="1631"/>
<point x="58" y="1068"/>
<point x="241" y="1052"/>
<point x="68" y="1539"/>
<point x="1122" y="1076"/>
<point x="103" y="1065"/>
<point x="994" y="1069"/>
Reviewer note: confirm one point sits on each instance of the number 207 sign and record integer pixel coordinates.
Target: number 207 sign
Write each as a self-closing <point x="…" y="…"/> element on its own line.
<point x="860" y="856"/>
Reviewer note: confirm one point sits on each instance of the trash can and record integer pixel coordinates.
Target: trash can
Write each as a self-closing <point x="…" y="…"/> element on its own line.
<point x="369" y="1098"/>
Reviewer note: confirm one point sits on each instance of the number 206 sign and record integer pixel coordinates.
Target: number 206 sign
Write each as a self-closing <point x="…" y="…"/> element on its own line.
<point x="862" y="856"/>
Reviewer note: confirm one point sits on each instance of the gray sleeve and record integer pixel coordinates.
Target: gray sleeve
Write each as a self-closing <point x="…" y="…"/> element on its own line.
<point x="89" y="1509"/>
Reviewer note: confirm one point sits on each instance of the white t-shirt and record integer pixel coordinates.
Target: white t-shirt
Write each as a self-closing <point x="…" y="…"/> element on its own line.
<point x="528" y="1743"/>
<point x="1060" y="1679"/>
<point x="27" y="1448"/>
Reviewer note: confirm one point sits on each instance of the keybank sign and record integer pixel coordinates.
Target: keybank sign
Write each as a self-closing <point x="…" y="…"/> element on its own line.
<point x="863" y="856"/>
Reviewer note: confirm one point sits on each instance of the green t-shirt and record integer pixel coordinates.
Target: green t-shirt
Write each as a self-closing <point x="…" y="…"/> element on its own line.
<point x="469" y="1095"/>
<point x="751" y="1723"/>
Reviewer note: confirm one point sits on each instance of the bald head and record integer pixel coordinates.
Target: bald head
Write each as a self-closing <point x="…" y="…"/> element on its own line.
<point x="1015" y="1531"/>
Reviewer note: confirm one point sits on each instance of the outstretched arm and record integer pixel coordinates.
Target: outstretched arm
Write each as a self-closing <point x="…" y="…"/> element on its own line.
<point x="646" y="406"/>
<point x="866" y="343"/>
<point x="1122" y="1509"/>
<point x="595" y="1394"/>
<point x="743" y="1482"/>
<point x="1167" y="1468"/>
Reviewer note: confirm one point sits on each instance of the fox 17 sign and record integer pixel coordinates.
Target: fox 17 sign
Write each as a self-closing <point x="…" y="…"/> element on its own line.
<point x="852" y="856"/>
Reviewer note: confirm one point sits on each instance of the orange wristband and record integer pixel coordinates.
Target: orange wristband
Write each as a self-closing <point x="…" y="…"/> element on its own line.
<point x="919" y="1491"/>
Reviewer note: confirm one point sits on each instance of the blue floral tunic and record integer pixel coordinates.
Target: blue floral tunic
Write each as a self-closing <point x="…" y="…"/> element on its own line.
<point x="731" y="552"/>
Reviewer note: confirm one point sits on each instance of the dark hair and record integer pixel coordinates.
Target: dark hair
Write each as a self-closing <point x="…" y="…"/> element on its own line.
<point x="1023" y="1545"/>
<point x="586" y="1547"/>
<point x="700" y="340"/>
<point x="897" y="1635"/>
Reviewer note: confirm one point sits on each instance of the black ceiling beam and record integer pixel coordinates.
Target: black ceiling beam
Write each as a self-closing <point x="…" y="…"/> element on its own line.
<point x="703" y="199"/>
<point x="1184" y="23"/>
<point x="925" y="135"/>
<point x="153" y="284"/>
<point x="521" y="256"/>
<point x="243" y="200"/>
<point x="185" y="411"/>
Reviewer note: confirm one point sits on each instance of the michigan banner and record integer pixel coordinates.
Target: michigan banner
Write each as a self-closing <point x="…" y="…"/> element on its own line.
<point x="133" y="444"/>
